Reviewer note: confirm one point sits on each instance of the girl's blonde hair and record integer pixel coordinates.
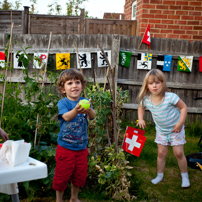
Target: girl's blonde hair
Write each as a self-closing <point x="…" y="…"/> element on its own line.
<point x="67" y="75"/>
<point x="153" y="74"/>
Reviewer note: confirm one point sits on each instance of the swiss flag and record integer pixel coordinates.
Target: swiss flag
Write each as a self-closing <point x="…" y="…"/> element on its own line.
<point x="134" y="141"/>
<point x="146" y="39"/>
<point x="200" y="64"/>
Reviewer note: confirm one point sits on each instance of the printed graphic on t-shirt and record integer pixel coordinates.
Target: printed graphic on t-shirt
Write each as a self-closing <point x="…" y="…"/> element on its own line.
<point x="75" y="132"/>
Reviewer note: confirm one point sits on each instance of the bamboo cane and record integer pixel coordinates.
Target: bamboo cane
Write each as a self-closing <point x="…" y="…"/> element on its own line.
<point x="106" y="79"/>
<point x="11" y="47"/>
<point x="113" y="94"/>
<point x="109" y="65"/>
<point x="4" y="89"/>
<point x="78" y="59"/>
<point x="42" y="86"/>
<point x="94" y="74"/>
<point x="80" y="66"/>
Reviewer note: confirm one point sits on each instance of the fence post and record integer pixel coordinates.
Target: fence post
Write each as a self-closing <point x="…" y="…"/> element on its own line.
<point x="82" y="21"/>
<point x="115" y="56"/>
<point x="25" y="15"/>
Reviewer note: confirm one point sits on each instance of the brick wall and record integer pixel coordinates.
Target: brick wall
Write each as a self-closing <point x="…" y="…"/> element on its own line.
<point x="128" y="9"/>
<point x="177" y="19"/>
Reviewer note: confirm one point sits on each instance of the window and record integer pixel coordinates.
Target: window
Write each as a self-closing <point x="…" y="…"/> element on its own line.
<point x="134" y="7"/>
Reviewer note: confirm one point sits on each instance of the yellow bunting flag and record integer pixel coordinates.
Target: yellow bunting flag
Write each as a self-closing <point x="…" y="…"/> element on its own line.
<point x="62" y="61"/>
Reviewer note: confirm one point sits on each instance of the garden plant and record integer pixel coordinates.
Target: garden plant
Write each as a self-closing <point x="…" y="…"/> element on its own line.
<point x="108" y="170"/>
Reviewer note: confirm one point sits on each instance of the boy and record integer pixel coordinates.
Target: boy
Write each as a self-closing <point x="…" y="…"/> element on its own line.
<point x="71" y="154"/>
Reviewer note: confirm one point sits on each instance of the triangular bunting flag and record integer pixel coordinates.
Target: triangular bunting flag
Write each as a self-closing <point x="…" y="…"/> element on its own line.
<point x="133" y="141"/>
<point x="144" y="61"/>
<point x="185" y="63"/>
<point x="124" y="58"/>
<point x="147" y="39"/>
<point x="62" y="61"/>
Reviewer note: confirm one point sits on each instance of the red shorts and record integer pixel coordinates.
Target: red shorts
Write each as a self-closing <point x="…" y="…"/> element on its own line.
<point x="71" y="165"/>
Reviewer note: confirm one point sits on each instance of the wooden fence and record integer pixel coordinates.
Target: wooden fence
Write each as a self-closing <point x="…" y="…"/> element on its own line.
<point x="186" y="85"/>
<point x="6" y="17"/>
<point x="26" y="23"/>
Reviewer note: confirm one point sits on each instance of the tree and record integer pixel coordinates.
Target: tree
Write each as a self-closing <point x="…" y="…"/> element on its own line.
<point x="74" y="6"/>
<point x="5" y="5"/>
<point x="54" y="7"/>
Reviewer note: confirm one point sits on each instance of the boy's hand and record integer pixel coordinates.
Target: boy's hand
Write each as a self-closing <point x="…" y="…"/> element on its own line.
<point x="141" y="124"/>
<point x="177" y="127"/>
<point x="82" y="110"/>
<point x="4" y="135"/>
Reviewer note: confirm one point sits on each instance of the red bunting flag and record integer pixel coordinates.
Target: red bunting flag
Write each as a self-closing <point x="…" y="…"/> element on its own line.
<point x="2" y="56"/>
<point x="133" y="141"/>
<point x="146" y="39"/>
<point x="200" y="64"/>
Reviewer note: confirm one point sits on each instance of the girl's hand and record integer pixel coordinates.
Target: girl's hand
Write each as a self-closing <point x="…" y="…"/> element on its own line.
<point x="141" y="124"/>
<point x="177" y="127"/>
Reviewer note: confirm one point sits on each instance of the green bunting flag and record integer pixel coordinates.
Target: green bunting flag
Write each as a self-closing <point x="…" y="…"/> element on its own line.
<point x="185" y="63"/>
<point x="124" y="58"/>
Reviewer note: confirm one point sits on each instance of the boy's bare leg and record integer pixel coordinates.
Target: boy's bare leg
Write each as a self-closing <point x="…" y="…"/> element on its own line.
<point x="74" y="193"/>
<point x="59" y="195"/>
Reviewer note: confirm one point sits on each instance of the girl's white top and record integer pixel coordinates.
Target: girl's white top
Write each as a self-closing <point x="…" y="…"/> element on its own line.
<point x="165" y="114"/>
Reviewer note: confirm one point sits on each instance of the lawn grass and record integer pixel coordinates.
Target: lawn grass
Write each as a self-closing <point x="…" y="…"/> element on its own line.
<point x="169" y="190"/>
<point x="144" y="170"/>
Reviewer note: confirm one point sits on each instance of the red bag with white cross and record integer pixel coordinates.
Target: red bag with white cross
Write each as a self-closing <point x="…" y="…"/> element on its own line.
<point x="133" y="141"/>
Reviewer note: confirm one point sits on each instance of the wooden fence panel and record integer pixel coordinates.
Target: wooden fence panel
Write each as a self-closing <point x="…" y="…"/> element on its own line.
<point x="26" y="23"/>
<point x="186" y="85"/>
<point x="43" y="24"/>
<point x="104" y="26"/>
<point x="5" y="21"/>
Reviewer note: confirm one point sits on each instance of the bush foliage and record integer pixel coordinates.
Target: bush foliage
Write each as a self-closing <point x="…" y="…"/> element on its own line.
<point x="108" y="170"/>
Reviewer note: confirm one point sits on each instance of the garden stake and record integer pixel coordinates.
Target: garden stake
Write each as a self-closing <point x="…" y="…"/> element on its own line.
<point x="4" y="89"/>
<point x="108" y="137"/>
<point x="109" y="66"/>
<point x="78" y="58"/>
<point x="93" y="72"/>
<point x="106" y="79"/>
<point x="80" y="66"/>
<point x="11" y="50"/>
<point x="142" y="39"/>
<point x="114" y="110"/>
<point x="113" y="94"/>
<point x="95" y="76"/>
<point x="44" y="76"/>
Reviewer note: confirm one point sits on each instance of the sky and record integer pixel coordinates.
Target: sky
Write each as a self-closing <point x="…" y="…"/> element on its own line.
<point x="95" y="8"/>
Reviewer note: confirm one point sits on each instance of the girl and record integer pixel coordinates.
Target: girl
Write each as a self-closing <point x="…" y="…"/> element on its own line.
<point x="169" y="121"/>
